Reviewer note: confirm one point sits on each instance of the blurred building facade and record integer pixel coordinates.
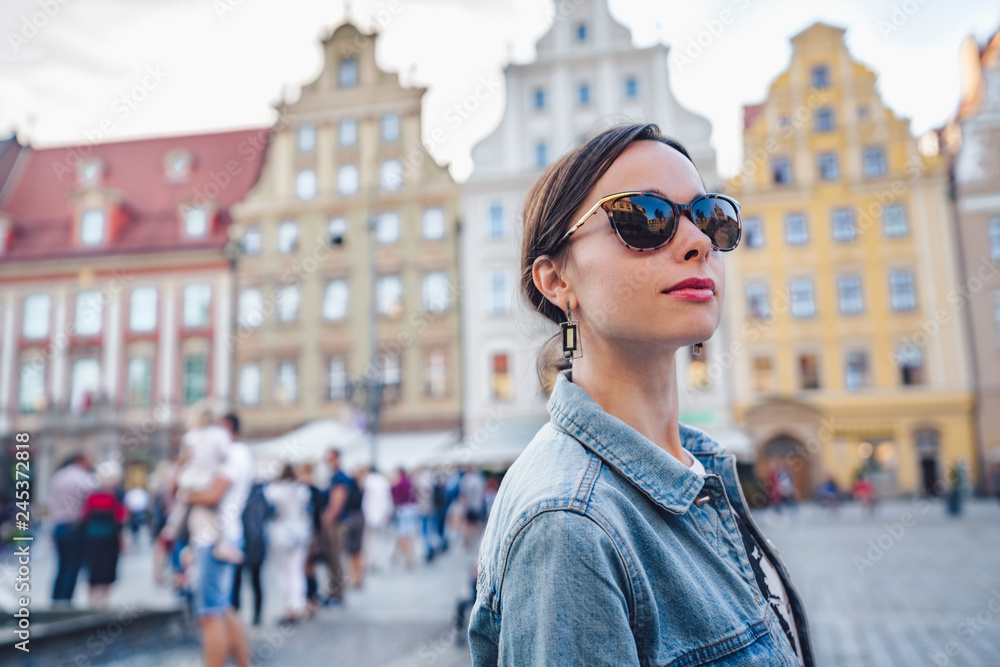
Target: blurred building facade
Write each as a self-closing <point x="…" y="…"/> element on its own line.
<point x="586" y="77"/>
<point x="976" y="146"/>
<point x="348" y="245"/>
<point x="115" y="295"/>
<point x="842" y="363"/>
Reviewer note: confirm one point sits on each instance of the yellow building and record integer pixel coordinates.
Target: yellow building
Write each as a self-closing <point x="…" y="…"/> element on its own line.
<point x="348" y="241"/>
<point x="849" y="347"/>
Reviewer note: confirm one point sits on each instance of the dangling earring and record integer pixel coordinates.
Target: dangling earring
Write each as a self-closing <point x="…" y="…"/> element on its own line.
<point x="570" y="337"/>
<point x="696" y="349"/>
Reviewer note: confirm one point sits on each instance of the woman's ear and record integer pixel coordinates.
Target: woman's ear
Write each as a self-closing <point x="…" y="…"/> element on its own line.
<point x="550" y="279"/>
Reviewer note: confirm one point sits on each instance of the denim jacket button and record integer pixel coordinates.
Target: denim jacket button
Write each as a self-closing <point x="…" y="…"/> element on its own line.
<point x="702" y="499"/>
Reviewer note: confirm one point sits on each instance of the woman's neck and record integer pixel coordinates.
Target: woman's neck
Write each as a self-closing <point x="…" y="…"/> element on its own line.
<point x="638" y="388"/>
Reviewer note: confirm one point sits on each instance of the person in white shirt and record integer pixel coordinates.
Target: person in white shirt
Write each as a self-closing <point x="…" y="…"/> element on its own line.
<point x="377" y="507"/>
<point x="69" y="487"/>
<point x="288" y="539"/>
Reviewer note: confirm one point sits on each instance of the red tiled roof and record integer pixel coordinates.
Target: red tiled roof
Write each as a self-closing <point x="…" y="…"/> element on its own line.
<point x="40" y="201"/>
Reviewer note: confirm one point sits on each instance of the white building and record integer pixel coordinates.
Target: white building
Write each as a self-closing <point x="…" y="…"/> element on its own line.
<point x="586" y="77"/>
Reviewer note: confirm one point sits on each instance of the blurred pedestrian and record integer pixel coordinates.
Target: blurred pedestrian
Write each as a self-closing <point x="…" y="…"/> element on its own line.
<point x="472" y="499"/>
<point x="425" y="487"/>
<point x="137" y="504"/>
<point x="68" y="488"/>
<point x="829" y="495"/>
<point x="103" y="520"/>
<point x="864" y="492"/>
<point x="288" y="541"/>
<point x="256" y="514"/>
<point x="163" y="499"/>
<point x="317" y="503"/>
<point x="344" y="502"/>
<point x="405" y="517"/>
<point x="377" y="508"/>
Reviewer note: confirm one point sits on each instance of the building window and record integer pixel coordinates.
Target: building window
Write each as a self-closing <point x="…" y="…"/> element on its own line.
<point x="844" y="228"/>
<point x="390" y="127"/>
<point x="763" y="377"/>
<point x="808" y="371"/>
<point x="541" y="154"/>
<point x="389" y="296"/>
<point x="819" y="76"/>
<point x="195" y="378"/>
<point x="494" y="226"/>
<point x="251" y="241"/>
<point x="31" y="388"/>
<point x="288" y="303"/>
<point x="306" y="138"/>
<point x="249" y="388"/>
<point x="347" y="179"/>
<point x="497" y="301"/>
<point x="995" y="240"/>
<point x="178" y="167"/>
<point x="539" y="98"/>
<point x="387" y="227"/>
<point x="288" y="236"/>
<point x="92" y="227"/>
<point x="829" y="170"/>
<point x="758" y="307"/>
<point x="85" y="382"/>
<point x="432" y="223"/>
<point x="501" y="387"/>
<point x="140" y="381"/>
<point x="305" y="184"/>
<point x="390" y="175"/>
<point x="336" y="298"/>
<point x="336" y="230"/>
<point x="801" y="293"/>
<point x="824" y="119"/>
<point x="856" y="370"/>
<point x="251" y="308"/>
<point x="849" y="295"/>
<point x="910" y="359"/>
<point x="286" y="383"/>
<point x="392" y="373"/>
<point x="89" y="172"/>
<point x="894" y="220"/>
<point x="902" y="293"/>
<point x="862" y="112"/>
<point x="796" y="229"/>
<point x="583" y="94"/>
<point x="336" y="379"/>
<point x="142" y="309"/>
<point x="631" y="87"/>
<point x="753" y="232"/>
<point x="435" y="373"/>
<point x="436" y="292"/>
<point x="781" y="169"/>
<point x="197" y="299"/>
<point x="347" y="132"/>
<point x="195" y="222"/>
<point x="348" y="72"/>
<point x="87" y="315"/>
<point x="36" y="316"/>
<point x="581" y="32"/>
<point x="874" y="161"/>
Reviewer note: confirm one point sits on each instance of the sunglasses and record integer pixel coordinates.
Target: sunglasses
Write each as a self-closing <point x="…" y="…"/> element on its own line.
<point x="647" y="221"/>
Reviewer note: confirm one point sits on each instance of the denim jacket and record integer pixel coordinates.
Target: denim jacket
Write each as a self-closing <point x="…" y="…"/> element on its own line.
<point x="597" y="554"/>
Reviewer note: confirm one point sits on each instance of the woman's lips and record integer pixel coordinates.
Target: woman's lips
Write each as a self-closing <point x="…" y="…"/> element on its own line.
<point x="691" y="294"/>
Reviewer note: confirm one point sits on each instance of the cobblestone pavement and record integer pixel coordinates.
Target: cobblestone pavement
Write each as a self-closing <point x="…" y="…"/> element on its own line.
<point x="907" y="587"/>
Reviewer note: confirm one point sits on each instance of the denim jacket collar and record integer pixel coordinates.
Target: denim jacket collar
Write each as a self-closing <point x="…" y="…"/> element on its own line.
<point x="666" y="481"/>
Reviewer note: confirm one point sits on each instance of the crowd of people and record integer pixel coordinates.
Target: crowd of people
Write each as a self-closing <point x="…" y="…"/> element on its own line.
<point x="215" y="520"/>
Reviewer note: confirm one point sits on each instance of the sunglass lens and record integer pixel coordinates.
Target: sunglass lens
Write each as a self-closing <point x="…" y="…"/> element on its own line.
<point x="642" y="222"/>
<point x="719" y="220"/>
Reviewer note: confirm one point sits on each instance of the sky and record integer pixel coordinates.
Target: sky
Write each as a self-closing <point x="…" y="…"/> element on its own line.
<point x="73" y="71"/>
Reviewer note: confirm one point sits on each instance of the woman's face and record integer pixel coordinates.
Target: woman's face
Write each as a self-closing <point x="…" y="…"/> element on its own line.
<point x="623" y="296"/>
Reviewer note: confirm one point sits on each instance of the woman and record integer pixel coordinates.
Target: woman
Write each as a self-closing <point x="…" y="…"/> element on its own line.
<point x="405" y="517"/>
<point x="288" y="540"/>
<point x="256" y="512"/>
<point x="621" y="536"/>
<point x="103" y="520"/>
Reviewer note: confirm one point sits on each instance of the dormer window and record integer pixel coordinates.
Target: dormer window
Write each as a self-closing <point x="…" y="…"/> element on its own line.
<point x="195" y="222"/>
<point x="581" y="32"/>
<point x="93" y="224"/>
<point x="178" y="166"/>
<point x="90" y="172"/>
<point x="348" y="72"/>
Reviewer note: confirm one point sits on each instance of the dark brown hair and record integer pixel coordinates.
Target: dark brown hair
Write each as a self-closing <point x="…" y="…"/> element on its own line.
<point x="549" y="210"/>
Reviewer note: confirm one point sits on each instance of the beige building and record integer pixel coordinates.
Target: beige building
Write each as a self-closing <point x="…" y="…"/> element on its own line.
<point x="849" y="354"/>
<point x="977" y="197"/>
<point x="348" y="240"/>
